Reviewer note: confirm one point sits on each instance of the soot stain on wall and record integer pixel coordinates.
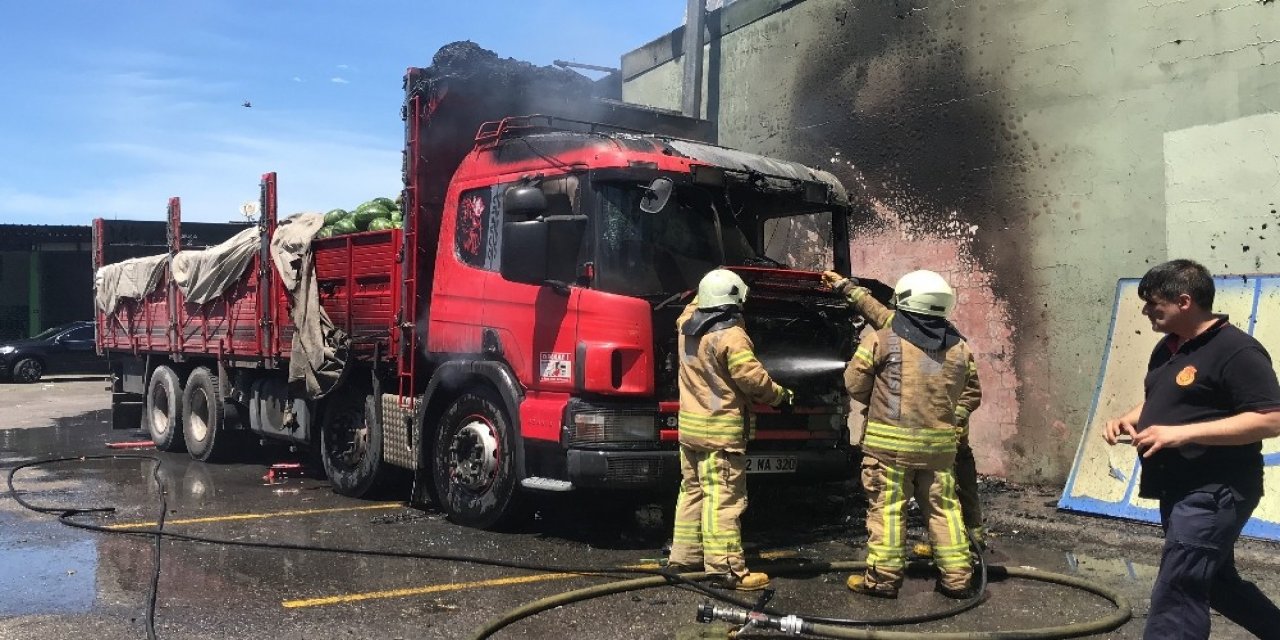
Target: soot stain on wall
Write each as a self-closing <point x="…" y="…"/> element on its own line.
<point x="889" y="94"/>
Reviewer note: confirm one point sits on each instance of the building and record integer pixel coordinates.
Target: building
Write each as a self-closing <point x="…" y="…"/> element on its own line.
<point x="1033" y="152"/>
<point x="46" y="276"/>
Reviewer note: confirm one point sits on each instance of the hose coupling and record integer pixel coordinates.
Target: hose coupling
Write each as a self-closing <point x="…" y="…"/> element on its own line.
<point x="789" y="625"/>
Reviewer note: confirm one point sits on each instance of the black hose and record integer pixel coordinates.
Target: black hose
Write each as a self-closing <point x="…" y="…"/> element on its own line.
<point x="64" y="513"/>
<point x="652" y="577"/>
<point x="1102" y="625"/>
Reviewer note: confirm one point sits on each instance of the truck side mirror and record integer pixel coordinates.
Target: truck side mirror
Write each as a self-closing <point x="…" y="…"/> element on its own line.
<point x="524" y="251"/>
<point x="524" y="200"/>
<point x="656" y="195"/>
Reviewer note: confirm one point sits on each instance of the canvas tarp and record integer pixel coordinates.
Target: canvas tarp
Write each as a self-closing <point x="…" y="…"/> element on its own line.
<point x="203" y="274"/>
<point x="319" y="348"/>
<point x="132" y="278"/>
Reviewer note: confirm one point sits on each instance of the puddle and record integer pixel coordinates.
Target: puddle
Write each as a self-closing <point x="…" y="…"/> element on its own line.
<point x="53" y="578"/>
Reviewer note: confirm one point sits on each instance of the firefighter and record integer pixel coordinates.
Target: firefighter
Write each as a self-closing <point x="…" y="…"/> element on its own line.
<point x="966" y="470"/>
<point x="719" y="378"/>
<point x="917" y="377"/>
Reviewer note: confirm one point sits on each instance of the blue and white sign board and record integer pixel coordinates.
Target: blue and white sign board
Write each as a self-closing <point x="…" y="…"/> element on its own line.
<point x="1104" y="479"/>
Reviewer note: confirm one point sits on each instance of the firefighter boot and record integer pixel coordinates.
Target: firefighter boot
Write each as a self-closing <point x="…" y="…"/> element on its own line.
<point x="750" y="581"/>
<point x="964" y="593"/>
<point x="858" y="584"/>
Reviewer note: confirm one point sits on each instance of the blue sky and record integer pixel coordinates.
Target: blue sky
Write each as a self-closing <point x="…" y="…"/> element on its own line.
<point x="113" y="106"/>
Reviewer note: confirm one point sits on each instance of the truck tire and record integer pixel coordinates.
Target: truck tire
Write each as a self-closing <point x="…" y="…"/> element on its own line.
<point x="164" y="409"/>
<point x="202" y="415"/>
<point x="474" y="463"/>
<point x="351" y="445"/>
<point x="27" y="370"/>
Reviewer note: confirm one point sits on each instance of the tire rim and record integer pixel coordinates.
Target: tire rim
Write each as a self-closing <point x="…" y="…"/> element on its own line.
<point x="473" y="457"/>
<point x="30" y="370"/>
<point x="160" y="411"/>
<point x="199" y="427"/>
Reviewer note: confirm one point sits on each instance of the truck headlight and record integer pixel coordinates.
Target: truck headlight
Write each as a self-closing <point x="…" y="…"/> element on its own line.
<point x="6" y="350"/>
<point x="612" y="426"/>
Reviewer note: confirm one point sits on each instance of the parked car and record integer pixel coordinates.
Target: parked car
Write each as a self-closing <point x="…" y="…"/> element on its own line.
<point x="69" y="348"/>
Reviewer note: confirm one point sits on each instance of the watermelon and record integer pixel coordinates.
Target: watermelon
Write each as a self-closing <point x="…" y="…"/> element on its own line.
<point x="373" y="205"/>
<point x="345" y="225"/>
<point x="379" y="224"/>
<point x="387" y="203"/>
<point x="362" y="217"/>
<point x="334" y="215"/>
<point x="324" y="232"/>
<point x="396" y="216"/>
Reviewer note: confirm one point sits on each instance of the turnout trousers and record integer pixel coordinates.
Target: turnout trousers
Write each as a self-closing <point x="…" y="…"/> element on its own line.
<point x="713" y="495"/>
<point x="1198" y="570"/>
<point x="888" y="490"/>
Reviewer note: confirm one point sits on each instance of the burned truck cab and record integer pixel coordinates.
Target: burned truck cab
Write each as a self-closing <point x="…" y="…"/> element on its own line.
<point x="632" y="248"/>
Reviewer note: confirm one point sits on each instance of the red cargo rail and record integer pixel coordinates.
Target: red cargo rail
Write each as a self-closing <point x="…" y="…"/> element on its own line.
<point x="356" y="275"/>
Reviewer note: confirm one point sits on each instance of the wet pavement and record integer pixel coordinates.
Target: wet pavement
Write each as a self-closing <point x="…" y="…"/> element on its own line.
<point x="60" y="582"/>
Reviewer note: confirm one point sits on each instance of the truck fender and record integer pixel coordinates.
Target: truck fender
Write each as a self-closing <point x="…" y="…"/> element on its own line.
<point x="436" y="399"/>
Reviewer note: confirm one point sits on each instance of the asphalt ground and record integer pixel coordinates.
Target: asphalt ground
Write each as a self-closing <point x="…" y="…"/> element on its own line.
<point x="58" y="582"/>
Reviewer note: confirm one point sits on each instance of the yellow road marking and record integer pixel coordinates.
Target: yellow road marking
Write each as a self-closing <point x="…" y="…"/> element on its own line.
<point x="478" y="584"/>
<point x="417" y="591"/>
<point x="257" y="516"/>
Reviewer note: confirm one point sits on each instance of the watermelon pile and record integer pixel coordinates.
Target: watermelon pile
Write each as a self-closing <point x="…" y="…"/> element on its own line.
<point x="377" y="214"/>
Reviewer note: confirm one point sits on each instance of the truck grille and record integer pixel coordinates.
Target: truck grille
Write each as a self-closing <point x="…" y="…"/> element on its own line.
<point x="633" y="470"/>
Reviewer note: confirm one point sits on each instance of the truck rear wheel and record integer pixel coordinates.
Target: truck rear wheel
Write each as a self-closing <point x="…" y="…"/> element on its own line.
<point x="202" y="415"/>
<point x="351" y="445"/>
<point x="474" y="463"/>
<point x="164" y="409"/>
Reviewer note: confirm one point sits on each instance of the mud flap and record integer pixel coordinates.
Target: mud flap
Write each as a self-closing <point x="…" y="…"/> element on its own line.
<point x="126" y="411"/>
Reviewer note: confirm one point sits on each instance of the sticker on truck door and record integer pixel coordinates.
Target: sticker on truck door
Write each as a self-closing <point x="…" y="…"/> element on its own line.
<point x="555" y="367"/>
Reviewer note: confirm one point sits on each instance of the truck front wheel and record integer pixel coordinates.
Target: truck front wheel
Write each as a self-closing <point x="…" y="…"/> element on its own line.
<point x="351" y="445"/>
<point x="474" y="463"/>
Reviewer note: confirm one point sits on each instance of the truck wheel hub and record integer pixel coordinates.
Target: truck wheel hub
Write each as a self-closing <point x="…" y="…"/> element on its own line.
<point x="474" y="455"/>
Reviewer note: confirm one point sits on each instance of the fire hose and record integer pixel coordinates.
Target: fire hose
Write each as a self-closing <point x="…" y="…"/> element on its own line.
<point x="747" y="615"/>
<point x="796" y="625"/>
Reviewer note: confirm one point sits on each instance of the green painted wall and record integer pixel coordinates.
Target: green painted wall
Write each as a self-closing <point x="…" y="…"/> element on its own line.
<point x="1033" y="152"/>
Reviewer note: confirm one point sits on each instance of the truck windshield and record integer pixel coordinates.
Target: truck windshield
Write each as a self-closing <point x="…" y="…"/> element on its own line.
<point x="659" y="254"/>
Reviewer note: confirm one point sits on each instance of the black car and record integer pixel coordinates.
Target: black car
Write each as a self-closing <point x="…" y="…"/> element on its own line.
<point x="66" y="349"/>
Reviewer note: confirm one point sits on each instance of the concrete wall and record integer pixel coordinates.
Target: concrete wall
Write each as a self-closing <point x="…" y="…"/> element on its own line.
<point x="1033" y="152"/>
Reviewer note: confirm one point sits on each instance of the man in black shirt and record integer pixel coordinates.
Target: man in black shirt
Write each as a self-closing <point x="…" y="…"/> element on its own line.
<point x="1211" y="398"/>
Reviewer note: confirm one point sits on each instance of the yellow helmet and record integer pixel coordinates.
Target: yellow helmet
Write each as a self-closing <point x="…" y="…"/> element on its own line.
<point x="924" y="292"/>
<point x="721" y="287"/>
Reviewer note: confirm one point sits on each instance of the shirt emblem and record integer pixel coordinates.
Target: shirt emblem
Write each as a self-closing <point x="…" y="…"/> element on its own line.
<point x="1186" y="376"/>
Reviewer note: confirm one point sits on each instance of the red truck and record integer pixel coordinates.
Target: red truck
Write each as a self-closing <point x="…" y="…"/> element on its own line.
<point x="518" y="334"/>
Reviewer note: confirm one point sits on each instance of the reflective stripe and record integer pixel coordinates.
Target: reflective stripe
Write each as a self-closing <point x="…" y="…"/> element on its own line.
<point x="741" y="357"/>
<point x="698" y="419"/>
<point x="864" y="355"/>
<point x="894" y="438"/>
<point x="711" y="427"/>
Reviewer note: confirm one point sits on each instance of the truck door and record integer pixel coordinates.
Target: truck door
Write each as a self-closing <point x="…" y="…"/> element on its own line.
<point x="537" y="323"/>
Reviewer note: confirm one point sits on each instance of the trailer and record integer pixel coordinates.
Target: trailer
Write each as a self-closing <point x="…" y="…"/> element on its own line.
<point x="518" y="334"/>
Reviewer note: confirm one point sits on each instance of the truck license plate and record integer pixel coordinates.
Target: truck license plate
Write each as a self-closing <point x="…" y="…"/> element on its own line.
<point x="771" y="464"/>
